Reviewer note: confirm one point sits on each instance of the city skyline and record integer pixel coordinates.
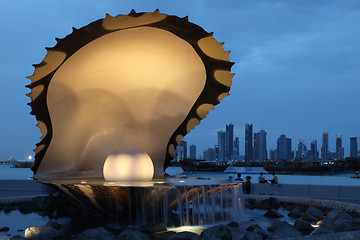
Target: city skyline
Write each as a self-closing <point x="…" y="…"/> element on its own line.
<point x="296" y="64"/>
<point x="286" y="148"/>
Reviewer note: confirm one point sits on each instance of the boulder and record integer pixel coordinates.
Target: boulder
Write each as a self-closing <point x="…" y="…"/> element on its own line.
<point x="338" y="215"/>
<point x="130" y="234"/>
<point x="313" y="214"/>
<point x="356" y="220"/>
<point x="285" y="230"/>
<point x="322" y="230"/>
<point x="161" y="235"/>
<point x="258" y="230"/>
<point x="153" y="228"/>
<point x="273" y="214"/>
<point x="184" y="236"/>
<point x="54" y="225"/>
<point x="41" y="233"/>
<point x="326" y="223"/>
<point x="274" y="225"/>
<point x="344" y="225"/>
<point x="219" y="232"/>
<point x="94" y="233"/>
<point x="295" y="213"/>
<point x="303" y="226"/>
<point x="233" y="224"/>
<point x="252" y="236"/>
<point x="4" y="229"/>
<point x="289" y="205"/>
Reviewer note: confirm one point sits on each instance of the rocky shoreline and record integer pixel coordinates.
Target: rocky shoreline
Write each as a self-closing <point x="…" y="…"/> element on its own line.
<point x="311" y="220"/>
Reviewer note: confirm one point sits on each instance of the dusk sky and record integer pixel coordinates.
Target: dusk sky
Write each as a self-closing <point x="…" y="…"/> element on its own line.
<point x="297" y="64"/>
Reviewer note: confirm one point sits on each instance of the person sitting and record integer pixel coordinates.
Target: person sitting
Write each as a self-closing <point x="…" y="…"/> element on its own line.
<point x="275" y="179"/>
<point x="239" y="178"/>
<point x="262" y="178"/>
<point x="247" y="185"/>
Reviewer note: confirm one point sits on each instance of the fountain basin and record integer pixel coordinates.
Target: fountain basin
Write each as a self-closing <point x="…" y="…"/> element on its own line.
<point x="172" y="201"/>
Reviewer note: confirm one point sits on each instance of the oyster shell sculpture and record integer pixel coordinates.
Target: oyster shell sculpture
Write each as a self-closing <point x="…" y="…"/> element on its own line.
<point x="137" y="82"/>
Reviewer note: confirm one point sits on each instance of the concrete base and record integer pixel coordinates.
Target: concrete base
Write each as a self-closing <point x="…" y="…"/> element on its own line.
<point x="337" y="193"/>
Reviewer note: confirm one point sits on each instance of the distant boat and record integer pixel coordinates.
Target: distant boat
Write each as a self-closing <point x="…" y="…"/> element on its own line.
<point x="202" y="166"/>
<point x="22" y="165"/>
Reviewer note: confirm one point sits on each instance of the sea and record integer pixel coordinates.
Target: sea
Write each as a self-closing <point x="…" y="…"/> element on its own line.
<point x="9" y="173"/>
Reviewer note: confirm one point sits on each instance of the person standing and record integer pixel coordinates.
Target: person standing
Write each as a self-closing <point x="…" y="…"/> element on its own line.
<point x="247" y="185"/>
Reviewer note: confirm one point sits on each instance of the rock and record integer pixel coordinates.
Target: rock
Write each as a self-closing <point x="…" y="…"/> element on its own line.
<point x="326" y="223"/>
<point x="153" y="228"/>
<point x="295" y="213"/>
<point x="258" y="230"/>
<point x="161" y="235"/>
<point x="274" y="225"/>
<point x="343" y="225"/>
<point x="338" y="214"/>
<point x="274" y="202"/>
<point x="262" y="205"/>
<point x="289" y="205"/>
<point x="285" y="230"/>
<point x="273" y="214"/>
<point x="54" y="225"/>
<point x="184" y="236"/>
<point x="94" y="233"/>
<point x="303" y="226"/>
<point x="356" y="220"/>
<point x="4" y="229"/>
<point x="130" y="234"/>
<point x="41" y="233"/>
<point x="219" y="232"/>
<point x="252" y="236"/>
<point x="313" y="214"/>
<point x="233" y="224"/>
<point x="17" y="237"/>
<point x="8" y="208"/>
<point x="26" y="208"/>
<point x="322" y="230"/>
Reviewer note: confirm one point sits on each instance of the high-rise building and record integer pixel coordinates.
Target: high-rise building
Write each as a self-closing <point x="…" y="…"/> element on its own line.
<point x="325" y="146"/>
<point x="289" y="152"/>
<point x="284" y="148"/>
<point x="236" y="147"/>
<point x="301" y="152"/>
<point x="260" y="153"/>
<point x="209" y="155"/>
<point x="281" y="148"/>
<point x="179" y="153"/>
<point x="221" y="143"/>
<point x="272" y="154"/>
<point x="229" y="141"/>
<point x="192" y="151"/>
<point x="353" y="147"/>
<point x="248" y="142"/>
<point x="314" y="154"/>
<point x="339" y="149"/>
<point x="217" y="152"/>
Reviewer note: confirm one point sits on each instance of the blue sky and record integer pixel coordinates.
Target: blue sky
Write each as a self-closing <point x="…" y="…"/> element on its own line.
<point x="297" y="64"/>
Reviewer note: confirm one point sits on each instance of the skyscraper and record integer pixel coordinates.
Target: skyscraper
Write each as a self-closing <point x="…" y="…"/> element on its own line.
<point x="221" y="143"/>
<point x="272" y="154"/>
<point x="339" y="149"/>
<point x="184" y="145"/>
<point x="284" y="148"/>
<point x="229" y="138"/>
<point x="325" y="146"/>
<point x="236" y="147"/>
<point x="248" y="142"/>
<point x="314" y="152"/>
<point x="289" y="153"/>
<point x="301" y="152"/>
<point x="260" y="152"/>
<point x="353" y="147"/>
<point x="192" y="151"/>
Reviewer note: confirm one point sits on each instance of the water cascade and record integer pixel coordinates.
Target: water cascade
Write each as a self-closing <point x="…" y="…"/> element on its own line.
<point x="174" y="202"/>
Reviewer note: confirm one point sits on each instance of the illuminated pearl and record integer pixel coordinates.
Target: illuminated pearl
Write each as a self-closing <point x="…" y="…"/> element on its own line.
<point x="128" y="166"/>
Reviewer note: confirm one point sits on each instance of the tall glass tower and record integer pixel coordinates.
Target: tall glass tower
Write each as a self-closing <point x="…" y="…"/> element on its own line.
<point x="248" y="142"/>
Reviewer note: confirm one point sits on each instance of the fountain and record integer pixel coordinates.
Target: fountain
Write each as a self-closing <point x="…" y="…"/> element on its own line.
<point x="113" y="99"/>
